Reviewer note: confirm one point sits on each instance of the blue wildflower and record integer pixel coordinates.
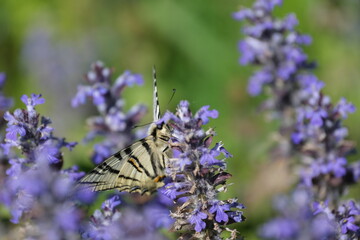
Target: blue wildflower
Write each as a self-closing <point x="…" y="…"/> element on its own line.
<point x="298" y="220"/>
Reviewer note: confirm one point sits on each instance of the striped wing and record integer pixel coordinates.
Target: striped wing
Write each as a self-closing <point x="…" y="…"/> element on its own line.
<point x="137" y="168"/>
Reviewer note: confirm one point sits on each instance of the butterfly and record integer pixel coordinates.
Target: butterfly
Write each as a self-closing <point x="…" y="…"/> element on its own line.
<point x="138" y="167"/>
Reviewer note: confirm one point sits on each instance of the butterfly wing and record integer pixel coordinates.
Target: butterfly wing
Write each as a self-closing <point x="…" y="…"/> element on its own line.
<point x="137" y="168"/>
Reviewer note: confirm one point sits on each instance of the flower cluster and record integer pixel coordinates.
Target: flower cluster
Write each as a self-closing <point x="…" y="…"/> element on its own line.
<point x="131" y="222"/>
<point x="198" y="174"/>
<point x="113" y="123"/>
<point x="35" y="191"/>
<point x="345" y="217"/>
<point x="296" y="219"/>
<point x="311" y="125"/>
<point x="29" y="132"/>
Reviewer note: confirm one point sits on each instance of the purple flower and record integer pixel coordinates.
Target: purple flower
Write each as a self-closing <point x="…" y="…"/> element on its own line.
<point x="13" y="131"/>
<point x="208" y="158"/>
<point x="196" y="219"/>
<point x="267" y="5"/>
<point x="348" y="224"/>
<point x="204" y="114"/>
<point x="111" y="203"/>
<point x="297" y="220"/>
<point x="195" y="171"/>
<point x="114" y="221"/>
<point x="252" y="50"/>
<point x="242" y="14"/>
<point x="113" y="123"/>
<point x="311" y="127"/>
<point x="32" y="101"/>
<point x="338" y="167"/>
<point x="221" y="215"/>
<point x="35" y="189"/>
<point x="126" y="79"/>
<point x="257" y="81"/>
<point x="344" y="107"/>
<point x="280" y="228"/>
<point x="290" y="22"/>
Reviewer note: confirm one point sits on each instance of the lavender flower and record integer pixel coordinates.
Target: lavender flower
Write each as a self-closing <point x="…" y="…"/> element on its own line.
<point x="129" y="222"/>
<point x="198" y="175"/>
<point x="35" y="192"/>
<point x="346" y="218"/>
<point x="311" y="124"/>
<point x="28" y="131"/>
<point x="297" y="219"/>
<point x="113" y="123"/>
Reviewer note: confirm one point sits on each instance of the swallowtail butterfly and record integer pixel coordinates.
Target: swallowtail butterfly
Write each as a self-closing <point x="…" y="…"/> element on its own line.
<point x="138" y="167"/>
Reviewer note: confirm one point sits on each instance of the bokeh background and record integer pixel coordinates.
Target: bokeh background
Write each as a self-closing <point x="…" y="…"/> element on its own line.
<point x="47" y="46"/>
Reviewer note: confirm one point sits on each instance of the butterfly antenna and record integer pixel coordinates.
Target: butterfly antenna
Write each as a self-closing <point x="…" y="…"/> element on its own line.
<point x="156" y="105"/>
<point x="172" y="96"/>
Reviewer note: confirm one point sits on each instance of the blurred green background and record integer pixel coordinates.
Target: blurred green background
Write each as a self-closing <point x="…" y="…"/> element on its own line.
<point x="47" y="46"/>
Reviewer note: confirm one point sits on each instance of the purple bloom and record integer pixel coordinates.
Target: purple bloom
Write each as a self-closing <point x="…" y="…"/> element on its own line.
<point x="114" y="221"/>
<point x="353" y="208"/>
<point x="13" y="131"/>
<point x="311" y="126"/>
<point x="220" y="212"/>
<point x="32" y="101"/>
<point x="126" y="79"/>
<point x="297" y="219"/>
<point x="102" y="151"/>
<point x="290" y="22"/>
<point x="113" y="123"/>
<point x="242" y="14"/>
<point x="297" y="137"/>
<point x="34" y="189"/>
<point x="344" y="107"/>
<point x="204" y="114"/>
<point x="338" y="167"/>
<point x="280" y="228"/>
<point x="195" y="171"/>
<point x="267" y="5"/>
<point x="257" y="81"/>
<point x="197" y="218"/>
<point x="111" y="203"/>
<point x="252" y="50"/>
<point x="209" y="158"/>
<point x="348" y="224"/>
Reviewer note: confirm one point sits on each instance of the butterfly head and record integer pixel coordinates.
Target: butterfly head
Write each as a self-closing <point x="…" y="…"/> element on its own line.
<point x="160" y="132"/>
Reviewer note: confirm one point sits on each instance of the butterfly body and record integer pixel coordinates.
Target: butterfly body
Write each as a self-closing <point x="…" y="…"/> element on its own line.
<point x="138" y="167"/>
